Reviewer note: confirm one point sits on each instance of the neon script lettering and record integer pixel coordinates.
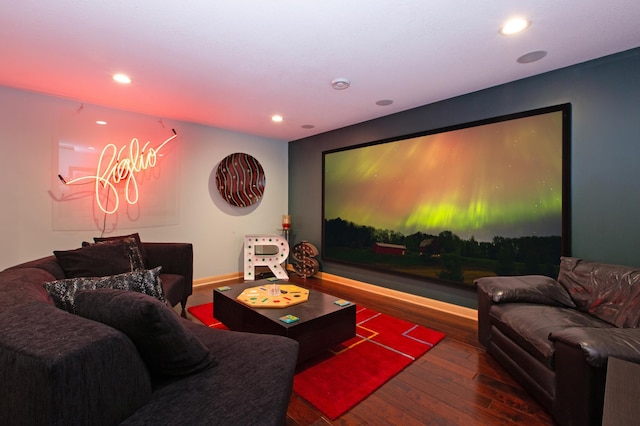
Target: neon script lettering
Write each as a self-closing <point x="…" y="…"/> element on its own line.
<point x="116" y="165"/>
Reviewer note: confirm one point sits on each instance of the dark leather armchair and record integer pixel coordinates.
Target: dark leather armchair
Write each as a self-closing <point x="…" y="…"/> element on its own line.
<point x="555" y="336"/>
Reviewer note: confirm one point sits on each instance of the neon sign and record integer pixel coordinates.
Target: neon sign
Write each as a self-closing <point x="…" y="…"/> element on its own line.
<point x="118" y="165"/>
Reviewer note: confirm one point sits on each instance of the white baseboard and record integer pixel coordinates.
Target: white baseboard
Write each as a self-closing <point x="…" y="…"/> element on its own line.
<point x="413" y="299"/>
<point x="204" y="282"/>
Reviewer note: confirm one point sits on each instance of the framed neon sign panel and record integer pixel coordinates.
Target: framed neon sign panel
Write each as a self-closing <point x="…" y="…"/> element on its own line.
<point x="107" y="179"/>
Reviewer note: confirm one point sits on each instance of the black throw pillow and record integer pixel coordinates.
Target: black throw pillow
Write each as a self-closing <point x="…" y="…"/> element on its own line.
<point x="99" y="260"/>
<point x="167" y="347"/>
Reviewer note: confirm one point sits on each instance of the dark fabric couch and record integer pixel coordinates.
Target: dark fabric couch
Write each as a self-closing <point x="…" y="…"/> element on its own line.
<point x="555" y="336"/>
<point x="57" y="368"/>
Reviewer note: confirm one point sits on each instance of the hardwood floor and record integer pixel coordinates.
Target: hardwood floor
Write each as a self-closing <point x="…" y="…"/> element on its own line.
<point x="455" y="383"/>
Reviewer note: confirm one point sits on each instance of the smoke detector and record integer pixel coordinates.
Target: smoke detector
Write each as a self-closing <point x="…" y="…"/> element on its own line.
<point x="340" y="83"/>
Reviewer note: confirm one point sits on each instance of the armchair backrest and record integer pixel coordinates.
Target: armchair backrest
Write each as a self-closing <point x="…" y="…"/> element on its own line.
<point x="607" y="291"/>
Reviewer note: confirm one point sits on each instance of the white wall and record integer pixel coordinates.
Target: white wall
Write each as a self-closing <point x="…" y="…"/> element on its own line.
<point x="30" y="127"/>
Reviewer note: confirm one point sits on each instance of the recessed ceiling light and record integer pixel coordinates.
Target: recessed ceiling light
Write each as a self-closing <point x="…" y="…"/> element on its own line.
<point x="340" y="83"/>
<point x="277" y="118"/>
<point x="514" y="26"/>
<point x="527" y="58"/>
<point x="307" y="126"/>
<point x="101" y="122"/>
<point x="384" y="102"/>
<point x="122" y="78"/>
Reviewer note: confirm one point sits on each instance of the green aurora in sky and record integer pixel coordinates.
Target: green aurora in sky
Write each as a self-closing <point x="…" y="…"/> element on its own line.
<point x="500" y="179"/>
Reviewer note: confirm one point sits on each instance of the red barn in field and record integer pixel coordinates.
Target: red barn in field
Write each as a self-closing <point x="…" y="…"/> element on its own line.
<point x="384" y="248"/>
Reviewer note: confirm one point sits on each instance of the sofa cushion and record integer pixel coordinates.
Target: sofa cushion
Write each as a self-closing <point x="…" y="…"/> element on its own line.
<point x="102" y="259"/>
<point x="136" y="238"/>
<point x="529" y="325"/>
<point x="63" y="292"/>
<point x="255" y="371"/>
<point x="166" y="346"/>
<point x="609" y="292"/>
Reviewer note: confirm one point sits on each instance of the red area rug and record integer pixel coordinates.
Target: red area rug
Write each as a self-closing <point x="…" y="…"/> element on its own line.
<point x="340" y="379"/>
<point x="204" y="313"/>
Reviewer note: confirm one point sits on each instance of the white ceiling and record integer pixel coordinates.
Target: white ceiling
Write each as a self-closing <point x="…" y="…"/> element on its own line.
<point x="233" y="63"/>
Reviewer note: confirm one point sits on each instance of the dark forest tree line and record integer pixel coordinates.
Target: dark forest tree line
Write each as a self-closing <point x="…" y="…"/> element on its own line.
<point x="534" y="254"/>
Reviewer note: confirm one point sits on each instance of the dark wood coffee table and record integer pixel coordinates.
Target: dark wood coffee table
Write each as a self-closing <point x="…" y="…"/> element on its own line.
<point x="322" y="323"/>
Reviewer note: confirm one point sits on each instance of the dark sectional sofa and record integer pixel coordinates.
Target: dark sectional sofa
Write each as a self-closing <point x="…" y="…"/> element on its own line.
<point x="120" y="359"/>
<point x="555" y="336"/>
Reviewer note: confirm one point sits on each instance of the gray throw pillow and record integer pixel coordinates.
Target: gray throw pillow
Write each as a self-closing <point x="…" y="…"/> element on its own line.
<point x="167" y="347"/>
<point x="138" y="243"/>
<point x="63" y="292"/>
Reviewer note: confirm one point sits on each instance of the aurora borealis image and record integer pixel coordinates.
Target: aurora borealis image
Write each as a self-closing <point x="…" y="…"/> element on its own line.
<point x="499" y="179"/>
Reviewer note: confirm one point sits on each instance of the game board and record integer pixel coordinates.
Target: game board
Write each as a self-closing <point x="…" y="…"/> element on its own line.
<point x="258" y="297"/>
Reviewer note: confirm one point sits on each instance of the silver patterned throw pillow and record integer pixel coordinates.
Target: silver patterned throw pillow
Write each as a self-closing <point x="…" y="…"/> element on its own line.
<point x="146" y="281"/>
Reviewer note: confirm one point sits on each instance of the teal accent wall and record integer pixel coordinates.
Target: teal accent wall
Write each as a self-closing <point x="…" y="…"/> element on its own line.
<point x="605" y="154"/>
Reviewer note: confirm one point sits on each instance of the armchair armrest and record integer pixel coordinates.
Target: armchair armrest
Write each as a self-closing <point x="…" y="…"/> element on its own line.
<point x="525" y="289"/>
<point x="598" y="344"/>
<point x="175" y="258"/>
<point x="513" y="289"/>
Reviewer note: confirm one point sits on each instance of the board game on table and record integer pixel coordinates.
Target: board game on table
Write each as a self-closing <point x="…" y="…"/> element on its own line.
<point x="259" y="297"/>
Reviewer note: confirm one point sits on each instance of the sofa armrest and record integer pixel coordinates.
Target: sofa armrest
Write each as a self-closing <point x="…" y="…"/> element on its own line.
<point x="581" y="356"/>
<point x="175" y="258"/>
<point x="60" y="369"/>
<point x="598" y="344"/>
<point x="484" y="321"/>
<point x="525" y="289"/>
<point x="579" y="394"/>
